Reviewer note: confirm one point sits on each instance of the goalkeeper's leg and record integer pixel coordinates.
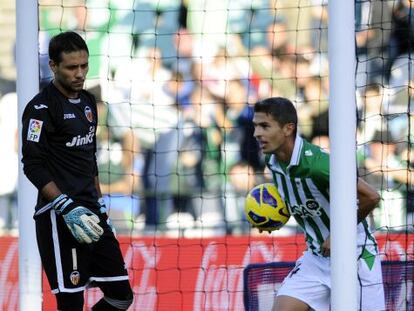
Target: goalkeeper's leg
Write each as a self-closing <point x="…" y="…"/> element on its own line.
<point x="70" y="301"/>
<point x="117" y="296"/>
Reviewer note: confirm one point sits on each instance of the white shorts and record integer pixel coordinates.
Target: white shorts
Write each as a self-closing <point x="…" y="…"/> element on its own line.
<point x="310" y="282"/>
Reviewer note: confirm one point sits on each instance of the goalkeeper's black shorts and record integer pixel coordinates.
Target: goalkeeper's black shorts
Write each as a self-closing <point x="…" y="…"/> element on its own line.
<point x="71" y="267"/>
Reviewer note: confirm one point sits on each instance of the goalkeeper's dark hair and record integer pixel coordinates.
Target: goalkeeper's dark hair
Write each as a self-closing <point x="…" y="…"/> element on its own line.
<point x="66" y="42"/>
<point x="281" y="109"/>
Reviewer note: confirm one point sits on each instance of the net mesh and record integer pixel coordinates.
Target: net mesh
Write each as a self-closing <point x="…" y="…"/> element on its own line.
<point x="261" y="282"/>
<point x="176" y="81"/>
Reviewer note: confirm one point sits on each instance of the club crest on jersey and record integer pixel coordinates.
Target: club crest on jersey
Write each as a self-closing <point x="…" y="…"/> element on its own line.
<point x="88" y="114"/>
<point x="75" y="277"/>
<point x="34" y="131"/>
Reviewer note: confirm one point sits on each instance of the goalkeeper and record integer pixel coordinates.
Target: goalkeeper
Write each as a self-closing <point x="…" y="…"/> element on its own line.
<point x="76" y="243"/>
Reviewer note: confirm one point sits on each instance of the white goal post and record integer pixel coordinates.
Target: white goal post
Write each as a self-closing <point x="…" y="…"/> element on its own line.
<point x="27" y="84"/>
<point x="342" y="132"/>
<point x="343" y="154"/>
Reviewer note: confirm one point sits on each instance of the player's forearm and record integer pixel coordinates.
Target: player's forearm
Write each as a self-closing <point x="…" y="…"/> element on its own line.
<point x="368" y="199"/>
<point x="38" y="175"/>
<point x="364" y="210"/>
<point x="98" y="186"/>
<point x="50" y="191"/>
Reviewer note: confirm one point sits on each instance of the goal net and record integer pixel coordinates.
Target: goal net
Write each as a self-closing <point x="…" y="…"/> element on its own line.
<point x="261" y="282"/>
<point x="176" y="82"/>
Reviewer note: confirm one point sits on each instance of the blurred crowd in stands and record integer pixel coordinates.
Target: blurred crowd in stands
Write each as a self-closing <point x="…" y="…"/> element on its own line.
<point x="176" y="82"/>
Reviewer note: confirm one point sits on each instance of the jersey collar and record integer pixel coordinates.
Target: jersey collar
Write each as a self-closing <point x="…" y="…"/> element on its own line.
<point x="74" y="100"/>
<point x="294" y="160"/>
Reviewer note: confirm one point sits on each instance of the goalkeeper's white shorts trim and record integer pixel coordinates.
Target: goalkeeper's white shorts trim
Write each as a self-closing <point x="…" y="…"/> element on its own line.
<point x="310" y="282"/>
<point x="72" y="267"/>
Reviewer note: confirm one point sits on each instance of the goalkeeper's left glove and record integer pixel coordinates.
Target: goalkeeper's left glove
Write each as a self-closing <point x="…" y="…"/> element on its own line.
<point x="103" y="209"/>
<point x="82" y="223"/>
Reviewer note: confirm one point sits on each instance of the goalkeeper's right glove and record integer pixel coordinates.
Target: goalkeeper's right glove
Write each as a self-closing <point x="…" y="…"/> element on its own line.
<point x="82" y="223"/>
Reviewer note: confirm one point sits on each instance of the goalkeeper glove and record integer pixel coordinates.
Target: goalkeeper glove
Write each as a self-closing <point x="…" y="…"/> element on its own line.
<point x="82" y="223"/>
<point x="104" y="211"/>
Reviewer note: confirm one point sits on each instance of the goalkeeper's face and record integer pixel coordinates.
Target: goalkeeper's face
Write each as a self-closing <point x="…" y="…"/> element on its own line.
<point x="70" y="73"/>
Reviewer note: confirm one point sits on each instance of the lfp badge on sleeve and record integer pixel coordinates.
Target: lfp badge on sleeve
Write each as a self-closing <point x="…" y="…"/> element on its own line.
<point x="34" y="131"/>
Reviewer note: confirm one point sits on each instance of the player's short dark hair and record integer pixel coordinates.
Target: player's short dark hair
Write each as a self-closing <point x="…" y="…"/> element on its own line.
<point x="66" y="42"/>
<point x="281" y="109"/>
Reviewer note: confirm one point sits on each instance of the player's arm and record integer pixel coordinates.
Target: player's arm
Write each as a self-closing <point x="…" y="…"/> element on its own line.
<point x="81" y="222"/>
<point x="367" y="196"/>
<point x="368" y="199"/>
<point x="36" y="124"/>
<point x="50" y="191"/>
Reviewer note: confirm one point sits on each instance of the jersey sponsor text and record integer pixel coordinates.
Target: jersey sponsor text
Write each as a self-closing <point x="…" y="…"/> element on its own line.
<point x="311" y="208"/>
<point x="82" y="140"/>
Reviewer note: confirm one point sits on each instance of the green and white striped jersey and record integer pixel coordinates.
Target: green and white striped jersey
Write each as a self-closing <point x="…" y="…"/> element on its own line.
<point x="304" y="186"/>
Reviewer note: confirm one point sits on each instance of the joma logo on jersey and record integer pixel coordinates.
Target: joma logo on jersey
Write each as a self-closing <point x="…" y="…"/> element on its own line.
<point x="82" y="140"/>
<point x="310" y="209"/>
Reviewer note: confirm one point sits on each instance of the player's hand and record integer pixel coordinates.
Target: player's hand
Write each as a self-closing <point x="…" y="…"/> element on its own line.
<point x="82" y="223"/>
<point x="326" y="247"/>
<point x="103" y="209"/>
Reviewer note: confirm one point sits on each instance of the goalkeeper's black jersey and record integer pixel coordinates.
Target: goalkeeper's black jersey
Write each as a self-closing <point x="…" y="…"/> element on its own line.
<point x="59" y="144"/>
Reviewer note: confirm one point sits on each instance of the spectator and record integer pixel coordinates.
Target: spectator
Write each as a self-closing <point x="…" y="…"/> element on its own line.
<point x="45" y="74"/>
<point x="371" y="113"/>
<point x="119" y="166"/>
<point x="406" y="178"/>
<point x="401" y="112"/>
<point x="313" y="112"/>
<point x="187" y="179"/>
<point x="380" y="163"/>
<point x="140" y="103"/>
<point x="179" y="90"/>
<point x="206" y="115"/>
<point x="8" y="162"/>
<point x="373" y="24"/>
<point x="319" y="24"/>
<point x="275" y="73"/>
<point x="6" y="85"/>
<point x="297" y="16"/>
<point x="278" y="38"/>
<point x="402" y="31"/>
<point x="239" y="144"/>
<point x="321" y="141"/>
<point x="241" y="178"/>
<point x="183" y="43"/>
<point x="216" y="75"/>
